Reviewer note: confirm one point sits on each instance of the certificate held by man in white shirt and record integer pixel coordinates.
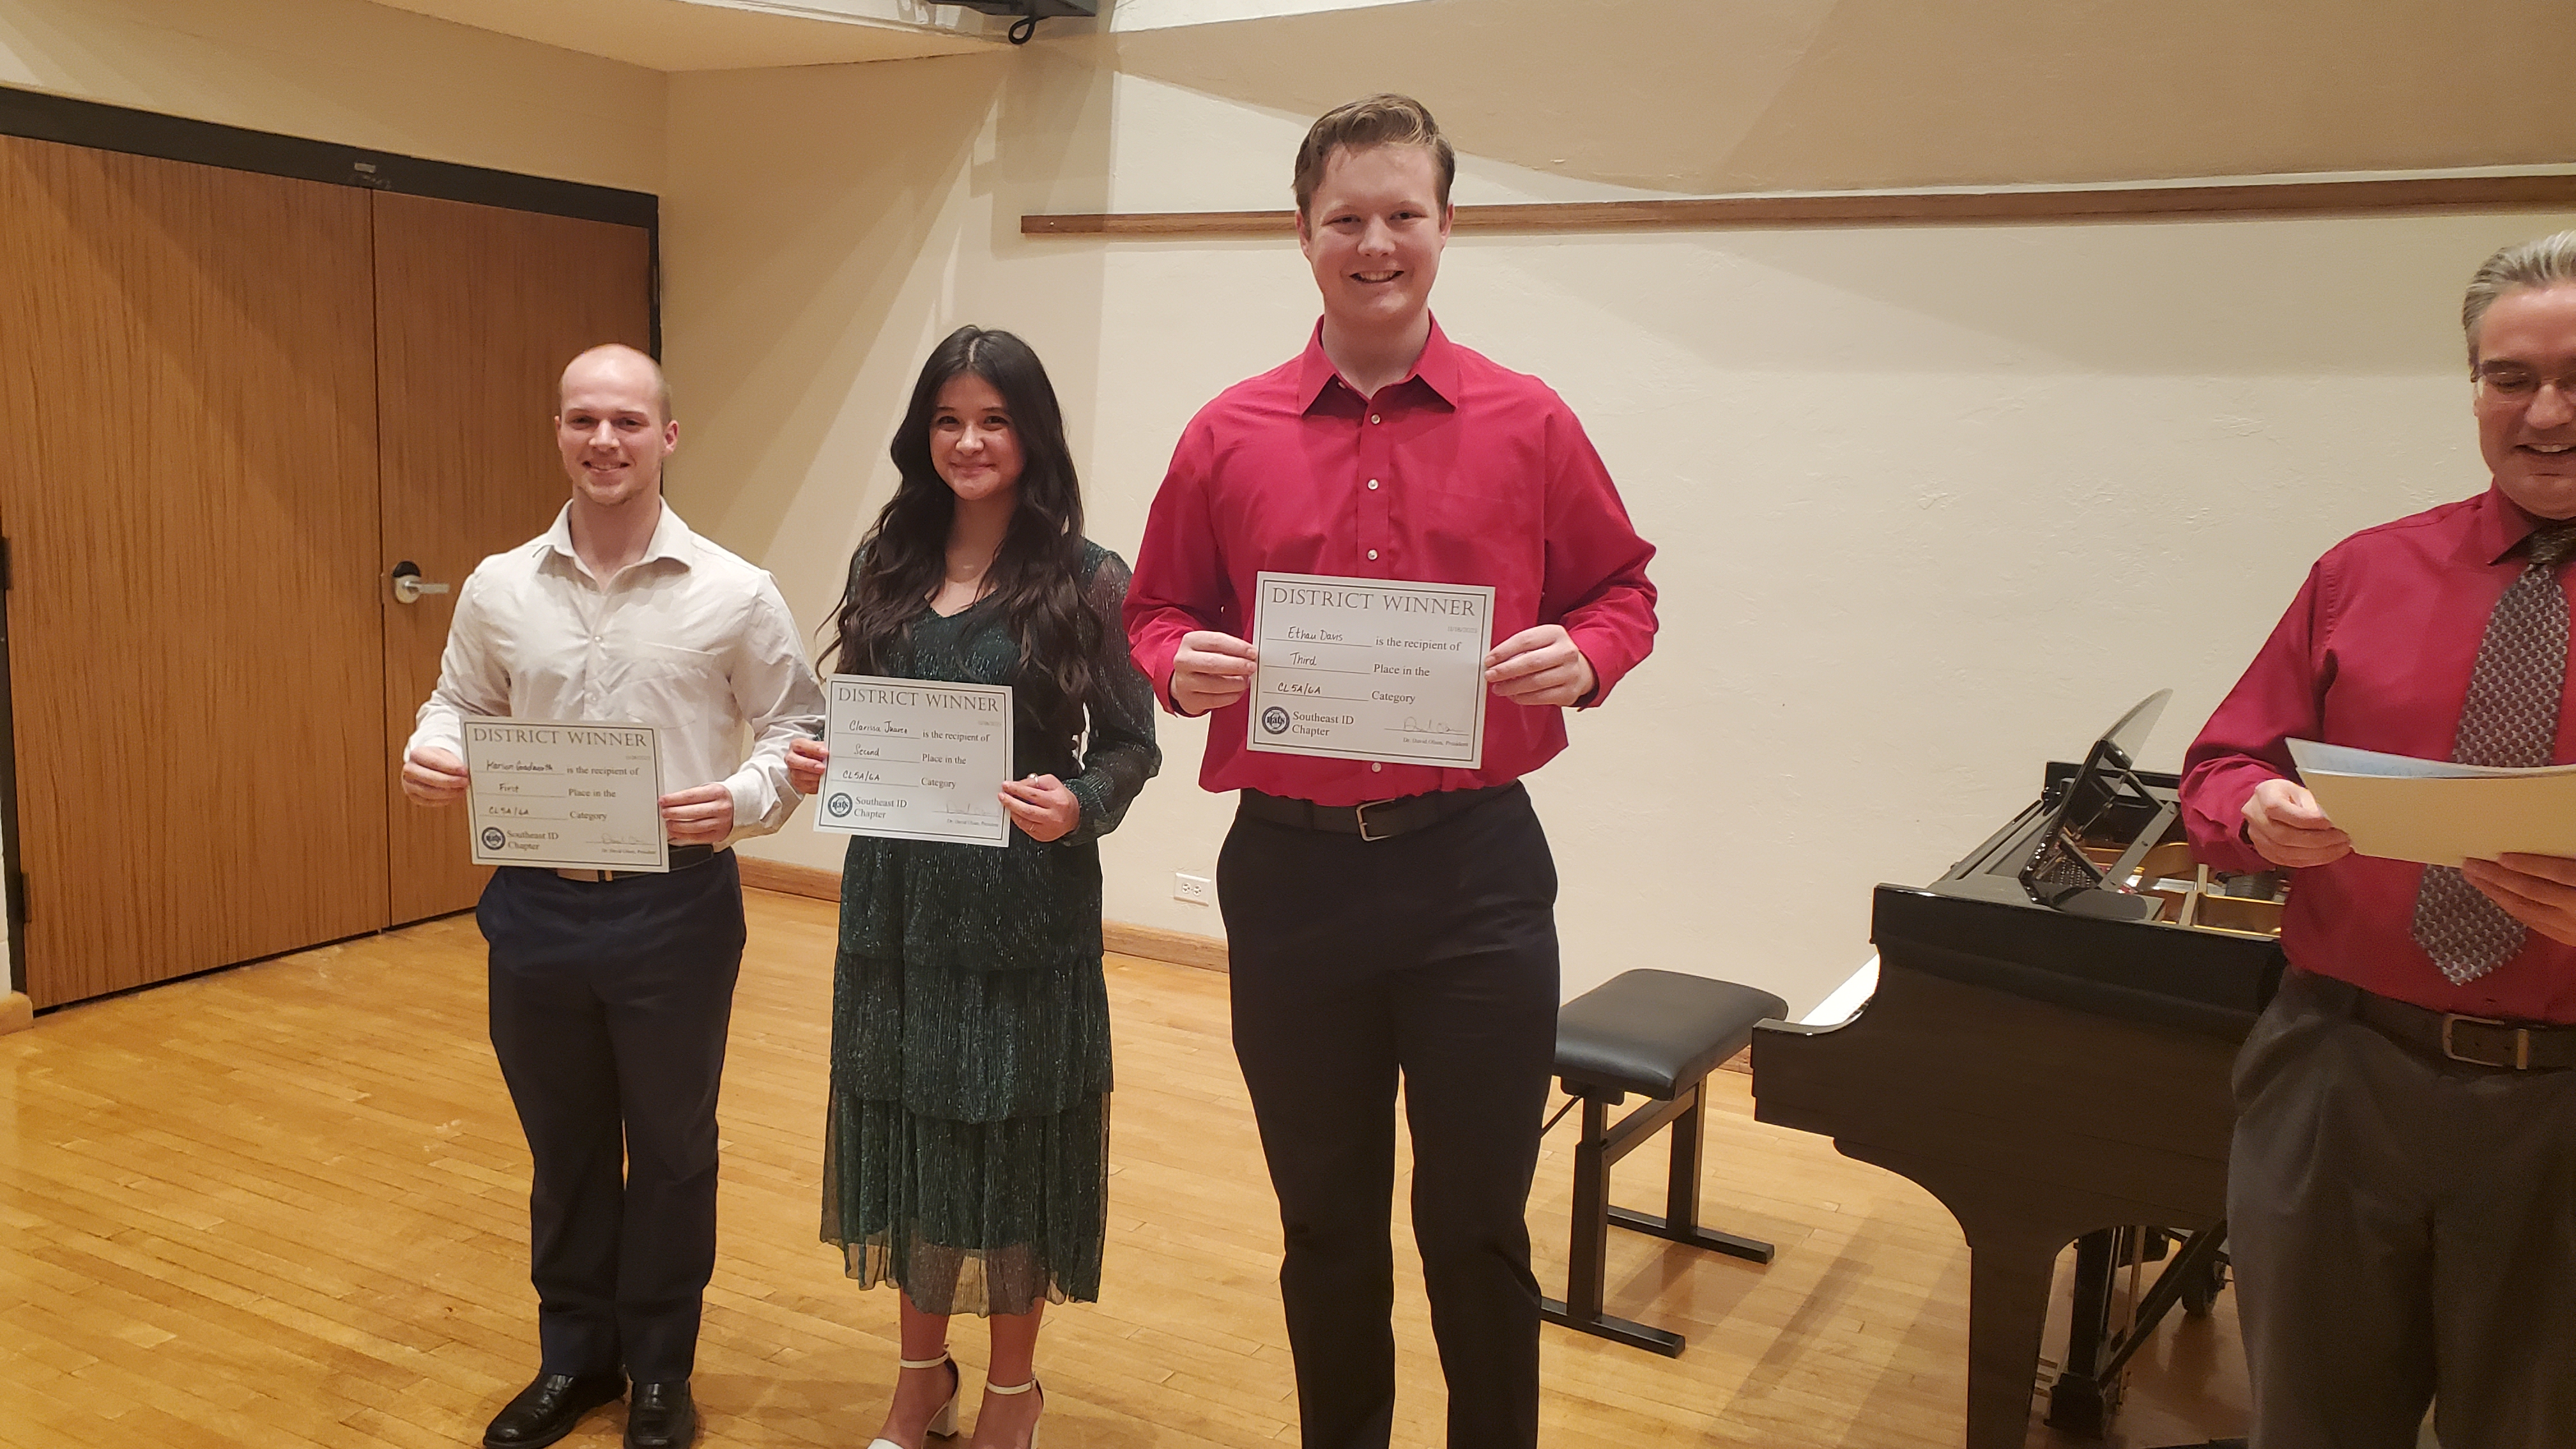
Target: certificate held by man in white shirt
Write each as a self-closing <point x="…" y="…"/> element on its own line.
<point x="561" y="793"/>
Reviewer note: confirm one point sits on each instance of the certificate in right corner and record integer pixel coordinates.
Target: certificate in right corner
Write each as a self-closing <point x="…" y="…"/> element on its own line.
<point x="1370" y="669"/>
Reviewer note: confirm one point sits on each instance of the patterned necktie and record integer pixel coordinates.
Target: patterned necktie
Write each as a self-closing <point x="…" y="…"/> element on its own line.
<point x="2510" y="718"/>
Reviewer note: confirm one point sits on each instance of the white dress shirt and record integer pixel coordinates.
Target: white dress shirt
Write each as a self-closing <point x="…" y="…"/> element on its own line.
<point x="689" y="639"/>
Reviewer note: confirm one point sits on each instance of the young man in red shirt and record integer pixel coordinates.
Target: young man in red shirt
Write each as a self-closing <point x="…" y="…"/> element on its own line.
<point x="1389" y="919"/>
<point x="2401" y="1198"/>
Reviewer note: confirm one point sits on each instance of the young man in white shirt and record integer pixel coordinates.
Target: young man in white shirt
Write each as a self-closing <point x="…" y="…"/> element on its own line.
<point x="611" y="991"/>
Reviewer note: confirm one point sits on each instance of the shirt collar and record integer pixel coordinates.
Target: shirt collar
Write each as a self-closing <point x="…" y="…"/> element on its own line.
<point x="672" y="539"/>
<point x="1437" y="368"/>
<point x="2500" y="528"/>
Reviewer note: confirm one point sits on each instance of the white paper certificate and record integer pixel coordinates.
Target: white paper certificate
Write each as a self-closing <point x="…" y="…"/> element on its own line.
<point x="546" y="792"/>
<point x="1370" y="669"/>
<point x="916" y="760"/>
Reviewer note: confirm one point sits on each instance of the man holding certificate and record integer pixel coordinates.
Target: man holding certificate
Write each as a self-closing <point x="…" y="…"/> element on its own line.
<point x="1387" y="567"/>
<point x="611" y="988"/>
<point x="2401" y="1194"/>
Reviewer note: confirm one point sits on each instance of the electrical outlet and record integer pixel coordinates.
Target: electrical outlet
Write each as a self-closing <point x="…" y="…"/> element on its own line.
<point x="1198" y="890"/>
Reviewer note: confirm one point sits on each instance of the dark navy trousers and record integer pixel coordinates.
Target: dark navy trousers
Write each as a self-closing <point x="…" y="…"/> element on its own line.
<point x="610" y="1002"/>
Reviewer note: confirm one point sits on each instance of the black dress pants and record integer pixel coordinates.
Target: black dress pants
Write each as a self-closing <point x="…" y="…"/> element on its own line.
<point x="1431" y="956"/>
<point x="610" y="1001"/>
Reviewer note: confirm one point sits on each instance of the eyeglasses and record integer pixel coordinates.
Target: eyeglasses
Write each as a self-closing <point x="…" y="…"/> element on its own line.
<point x="2506" y="382"/>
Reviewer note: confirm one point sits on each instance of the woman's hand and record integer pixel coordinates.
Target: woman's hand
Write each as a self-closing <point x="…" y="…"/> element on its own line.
<point x="1042" y="807"/>
<point x="806" y="761"/>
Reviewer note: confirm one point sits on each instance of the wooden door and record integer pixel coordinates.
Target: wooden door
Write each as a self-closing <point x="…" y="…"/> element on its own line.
<point x="188" y="486"/>
<point x="477" y="311"/>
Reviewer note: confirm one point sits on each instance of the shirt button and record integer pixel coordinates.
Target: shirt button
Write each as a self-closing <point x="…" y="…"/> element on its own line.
<point x="1374" y="767"/>
<point x="1372" y="553"/>
<point x="1374" y="418"/>
<point x="1372" y="485"/>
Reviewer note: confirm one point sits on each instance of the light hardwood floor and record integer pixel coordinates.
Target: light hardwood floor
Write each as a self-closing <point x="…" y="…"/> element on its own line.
<point x="284" y="1205"/>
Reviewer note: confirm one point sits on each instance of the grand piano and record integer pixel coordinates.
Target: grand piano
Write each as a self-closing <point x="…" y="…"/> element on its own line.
<point x="2047" y="1053"/>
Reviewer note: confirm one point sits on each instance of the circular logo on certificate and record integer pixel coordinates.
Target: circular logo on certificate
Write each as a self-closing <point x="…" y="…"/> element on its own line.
<point x="493" y="839"/>
<point x="840" y="805"/>
<point x="1274" y="720"/>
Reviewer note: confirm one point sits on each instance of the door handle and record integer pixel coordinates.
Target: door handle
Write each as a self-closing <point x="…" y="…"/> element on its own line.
<point x="407" y="585"/>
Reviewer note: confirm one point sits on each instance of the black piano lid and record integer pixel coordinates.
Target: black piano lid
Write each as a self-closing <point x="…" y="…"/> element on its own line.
<point x="2206" y="981"/>
<point x="2086" y="947"/>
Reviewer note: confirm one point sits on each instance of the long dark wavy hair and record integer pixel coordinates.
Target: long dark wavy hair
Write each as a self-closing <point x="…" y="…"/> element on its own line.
<point x="1033" y="578"/>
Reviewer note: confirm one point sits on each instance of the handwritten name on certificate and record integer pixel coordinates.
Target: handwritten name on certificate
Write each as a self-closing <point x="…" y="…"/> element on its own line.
<point x="916" y="760"/>
<point x="550" y="793"/>
<point x="1370" y="669"/>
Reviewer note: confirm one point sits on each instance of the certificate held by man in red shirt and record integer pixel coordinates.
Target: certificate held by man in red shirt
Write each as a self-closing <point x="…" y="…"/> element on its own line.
<point x="1388" y="894"/>
<point x="1357" y="669"/>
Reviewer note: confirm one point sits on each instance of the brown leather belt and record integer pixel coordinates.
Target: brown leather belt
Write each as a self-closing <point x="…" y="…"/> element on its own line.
<point x="2477" y="1040"/>
<point x="1374" y="820"/>
<point x="682" y="857"/>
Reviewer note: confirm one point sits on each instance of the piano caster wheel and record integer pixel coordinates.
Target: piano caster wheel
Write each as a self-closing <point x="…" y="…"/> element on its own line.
<point x="2200" y="1291"/>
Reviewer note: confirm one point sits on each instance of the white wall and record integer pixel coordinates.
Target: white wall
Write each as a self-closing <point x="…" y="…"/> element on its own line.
<point x="1935" y="504"/>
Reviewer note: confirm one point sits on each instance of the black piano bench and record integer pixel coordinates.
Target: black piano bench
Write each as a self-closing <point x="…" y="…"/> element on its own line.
<point x="1659" y="1034"/>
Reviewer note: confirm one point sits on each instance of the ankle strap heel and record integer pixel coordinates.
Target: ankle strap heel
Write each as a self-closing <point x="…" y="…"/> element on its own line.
<point x="1007" y="1390"/>
<point x="944" y="1423"/>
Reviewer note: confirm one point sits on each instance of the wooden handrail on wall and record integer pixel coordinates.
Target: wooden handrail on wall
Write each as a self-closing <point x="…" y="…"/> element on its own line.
<point x="2084" y="203"/>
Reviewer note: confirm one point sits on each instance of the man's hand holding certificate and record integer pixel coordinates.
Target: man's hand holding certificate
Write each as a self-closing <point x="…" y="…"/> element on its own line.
<point x="1370" y="669"/>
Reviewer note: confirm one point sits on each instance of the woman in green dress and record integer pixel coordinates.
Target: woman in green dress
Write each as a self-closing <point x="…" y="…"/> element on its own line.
<point x="966" y="1142"/>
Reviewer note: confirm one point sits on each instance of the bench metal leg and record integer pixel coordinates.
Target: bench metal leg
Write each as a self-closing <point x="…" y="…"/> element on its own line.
<point x="1588" y="1249"/>
<point x="1680" y="1222"/>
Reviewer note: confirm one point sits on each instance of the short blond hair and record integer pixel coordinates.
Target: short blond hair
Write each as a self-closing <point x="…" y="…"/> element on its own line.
<point x="1384" y="119"/>
<point x="619" y="351"/>
<point x="2548" y="261"/>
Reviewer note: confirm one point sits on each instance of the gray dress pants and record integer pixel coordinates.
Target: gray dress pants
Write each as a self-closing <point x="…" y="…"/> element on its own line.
<point x="2403" y="1230"/>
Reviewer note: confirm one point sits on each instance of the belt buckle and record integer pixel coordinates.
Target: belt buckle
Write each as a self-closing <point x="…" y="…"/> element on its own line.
<point x="1359" y="816"/>
<point x="2521" y="1041"/>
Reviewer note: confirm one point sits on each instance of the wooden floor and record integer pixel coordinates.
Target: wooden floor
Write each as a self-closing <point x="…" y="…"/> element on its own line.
<point x="284" y="1205"/>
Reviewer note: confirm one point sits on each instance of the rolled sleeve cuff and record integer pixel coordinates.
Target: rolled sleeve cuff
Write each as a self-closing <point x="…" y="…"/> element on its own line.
<point x="1155" y="660"/>
<point x="1608" y="655"/>
<point x="444" y="730"/>
<point x="757" y="808"/>
<point x="2214" y="817"/>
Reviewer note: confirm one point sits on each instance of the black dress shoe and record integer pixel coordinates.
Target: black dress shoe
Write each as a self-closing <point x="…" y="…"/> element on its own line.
<point x="660" y="1416"/>
<point x="546" y="1410"/>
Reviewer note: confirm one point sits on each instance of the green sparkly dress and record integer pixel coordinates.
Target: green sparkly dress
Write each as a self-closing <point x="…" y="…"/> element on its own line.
<point x="966" y="1143"/>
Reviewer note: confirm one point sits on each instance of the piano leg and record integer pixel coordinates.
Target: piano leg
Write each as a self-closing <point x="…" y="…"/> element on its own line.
<point x="2083" y="1399"/>
<point x="2008" y="1284"/>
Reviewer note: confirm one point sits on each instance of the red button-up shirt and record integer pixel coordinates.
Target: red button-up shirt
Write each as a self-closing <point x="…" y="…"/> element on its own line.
<point x="1463" y="473"/>
<point x="2376" y="652"/>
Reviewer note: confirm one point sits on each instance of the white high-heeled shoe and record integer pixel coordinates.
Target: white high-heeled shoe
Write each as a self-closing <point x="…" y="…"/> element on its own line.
<point x="944" y="1423"/>
<point x="994" y="1388"/>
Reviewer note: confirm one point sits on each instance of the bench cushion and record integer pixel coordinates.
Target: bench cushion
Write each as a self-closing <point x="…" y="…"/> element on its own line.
<point x="1656" y="1032"/>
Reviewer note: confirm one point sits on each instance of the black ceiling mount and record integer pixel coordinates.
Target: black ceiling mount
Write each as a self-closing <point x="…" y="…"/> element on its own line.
<point x="1030" y="12"/>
